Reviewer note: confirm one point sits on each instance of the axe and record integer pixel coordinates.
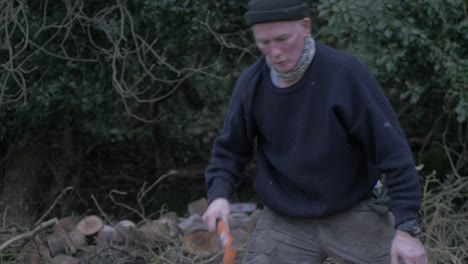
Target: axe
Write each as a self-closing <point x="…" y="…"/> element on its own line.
<point x="230" y="251"/>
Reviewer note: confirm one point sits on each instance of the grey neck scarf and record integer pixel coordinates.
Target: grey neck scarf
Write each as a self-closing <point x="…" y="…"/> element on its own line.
<point x="301" y="66"/>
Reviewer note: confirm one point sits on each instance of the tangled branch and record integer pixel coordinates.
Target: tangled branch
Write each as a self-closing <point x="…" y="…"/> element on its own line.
<point x="140" y="71"/>
<point x="141" y="194"/>
<point x="223" y="41"/>
<point x="31" y="233"/>
<point x="445" y="204"/>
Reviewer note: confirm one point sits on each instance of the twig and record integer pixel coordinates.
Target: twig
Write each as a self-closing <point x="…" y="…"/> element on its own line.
<point x="100" y="209"/>
<point x="142" y="193"/>
<point x="212" y="259"/>
<point x="53" y="205"/>
<point x="4" y="217"/>
<point x="124" y="205"/>
<point x="30" y="234"/>
<point x="447" y="150"/>
<point x="101" y="250"/>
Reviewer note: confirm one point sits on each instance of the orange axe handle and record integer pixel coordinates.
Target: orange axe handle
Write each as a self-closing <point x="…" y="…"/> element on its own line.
<point x="226" y="241"/>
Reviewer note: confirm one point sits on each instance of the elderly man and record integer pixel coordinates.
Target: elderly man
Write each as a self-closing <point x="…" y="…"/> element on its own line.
<point x="325" y="134"/>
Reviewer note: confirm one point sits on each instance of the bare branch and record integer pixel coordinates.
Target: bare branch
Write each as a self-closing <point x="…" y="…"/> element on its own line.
<point x="100" y="209"/>
<point x="143" y="191"/>
<point x="53" y="204"/>
<point x="30" y="234"/>
<point x="135" y="61"/>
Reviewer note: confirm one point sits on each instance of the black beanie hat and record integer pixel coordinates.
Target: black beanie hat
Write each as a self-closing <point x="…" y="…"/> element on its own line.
<point x="263" y="11"/>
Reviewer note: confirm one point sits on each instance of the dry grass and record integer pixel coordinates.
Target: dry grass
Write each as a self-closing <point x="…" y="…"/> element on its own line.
<point x="445" y="217"/>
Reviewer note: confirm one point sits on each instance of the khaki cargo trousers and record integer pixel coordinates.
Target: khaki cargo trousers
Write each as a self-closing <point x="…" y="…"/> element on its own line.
<point x="358" y="235"/>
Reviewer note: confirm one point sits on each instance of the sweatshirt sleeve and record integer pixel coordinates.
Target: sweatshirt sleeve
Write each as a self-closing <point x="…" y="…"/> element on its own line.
<point x="232" y="149"/>
<point x="371" y="120"/>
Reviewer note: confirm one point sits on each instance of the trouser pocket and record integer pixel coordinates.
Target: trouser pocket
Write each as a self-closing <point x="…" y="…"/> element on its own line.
<point x="379" y="200"/>
<point x="259" y="252"/>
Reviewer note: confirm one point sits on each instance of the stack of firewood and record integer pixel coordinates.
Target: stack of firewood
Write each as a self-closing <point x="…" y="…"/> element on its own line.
<point x="68" y="236"/>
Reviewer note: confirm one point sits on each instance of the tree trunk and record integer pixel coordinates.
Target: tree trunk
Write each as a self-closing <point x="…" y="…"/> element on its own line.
<point x="21" y="184"/>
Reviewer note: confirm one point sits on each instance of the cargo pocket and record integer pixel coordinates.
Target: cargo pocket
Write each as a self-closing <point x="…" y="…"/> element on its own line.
<point x="259" y="252"/>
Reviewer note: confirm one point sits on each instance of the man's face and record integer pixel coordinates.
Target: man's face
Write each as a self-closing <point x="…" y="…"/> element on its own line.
<point x="282" y="42"/>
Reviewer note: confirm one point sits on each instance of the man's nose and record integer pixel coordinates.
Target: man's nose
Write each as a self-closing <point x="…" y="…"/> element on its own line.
<point x="274" y="51"/>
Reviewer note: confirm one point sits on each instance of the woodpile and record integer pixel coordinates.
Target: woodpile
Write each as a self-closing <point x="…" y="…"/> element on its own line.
<point x="68" y="239"/>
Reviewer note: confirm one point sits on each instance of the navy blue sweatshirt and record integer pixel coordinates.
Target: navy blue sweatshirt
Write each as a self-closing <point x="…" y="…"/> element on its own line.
<point x="322" y="143"/>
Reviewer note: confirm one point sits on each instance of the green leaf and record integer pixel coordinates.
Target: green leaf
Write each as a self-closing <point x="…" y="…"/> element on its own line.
<point x="388" y="33"/>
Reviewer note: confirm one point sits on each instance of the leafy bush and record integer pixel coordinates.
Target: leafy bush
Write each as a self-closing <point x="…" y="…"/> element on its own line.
<point x="416" y="51"/>
<point x="108" y="68"/>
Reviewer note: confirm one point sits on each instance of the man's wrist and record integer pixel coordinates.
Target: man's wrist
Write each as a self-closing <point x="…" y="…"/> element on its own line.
<point x="411" y="227"/>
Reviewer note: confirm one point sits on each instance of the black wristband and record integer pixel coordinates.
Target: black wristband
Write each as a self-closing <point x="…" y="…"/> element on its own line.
<point x="412" y="227"/>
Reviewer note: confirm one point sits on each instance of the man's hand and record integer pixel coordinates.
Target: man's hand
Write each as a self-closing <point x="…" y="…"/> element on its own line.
<point x="407" y="248"/>
<point x="219" y="208"/>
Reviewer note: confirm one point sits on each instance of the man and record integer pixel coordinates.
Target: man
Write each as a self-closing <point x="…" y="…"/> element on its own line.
<point x="325" y="134"/>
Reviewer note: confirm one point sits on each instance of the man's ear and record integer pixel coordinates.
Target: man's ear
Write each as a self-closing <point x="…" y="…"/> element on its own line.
<point x="306" y="24"/>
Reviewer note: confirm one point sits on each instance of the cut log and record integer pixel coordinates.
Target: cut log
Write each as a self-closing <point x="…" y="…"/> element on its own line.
<point x="31" y="259"/>
<point x="192" y="224"/>
<point x="164" y="228"/>
<point x="60" y="241"/>
<point x="242" y="207"/>
<point x="122" y="231"/>
<point x="56" y="243"/>
<point x="77" y="240"/>
<point x="90" y="225"/>
<point x="170" y="216"/>
<point x="105" y="236"/>
<point x="239" y="220"/>
<point x="66" y="223"/>
<point x="124" y="224"/>
<point x="44" y="253"/>
<point x="240" y="236"/>
<point x="202" y="242"/>
<point x="154" y="230"/>
<point x="171" y="219"/>
<point x="198" y="207"/>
